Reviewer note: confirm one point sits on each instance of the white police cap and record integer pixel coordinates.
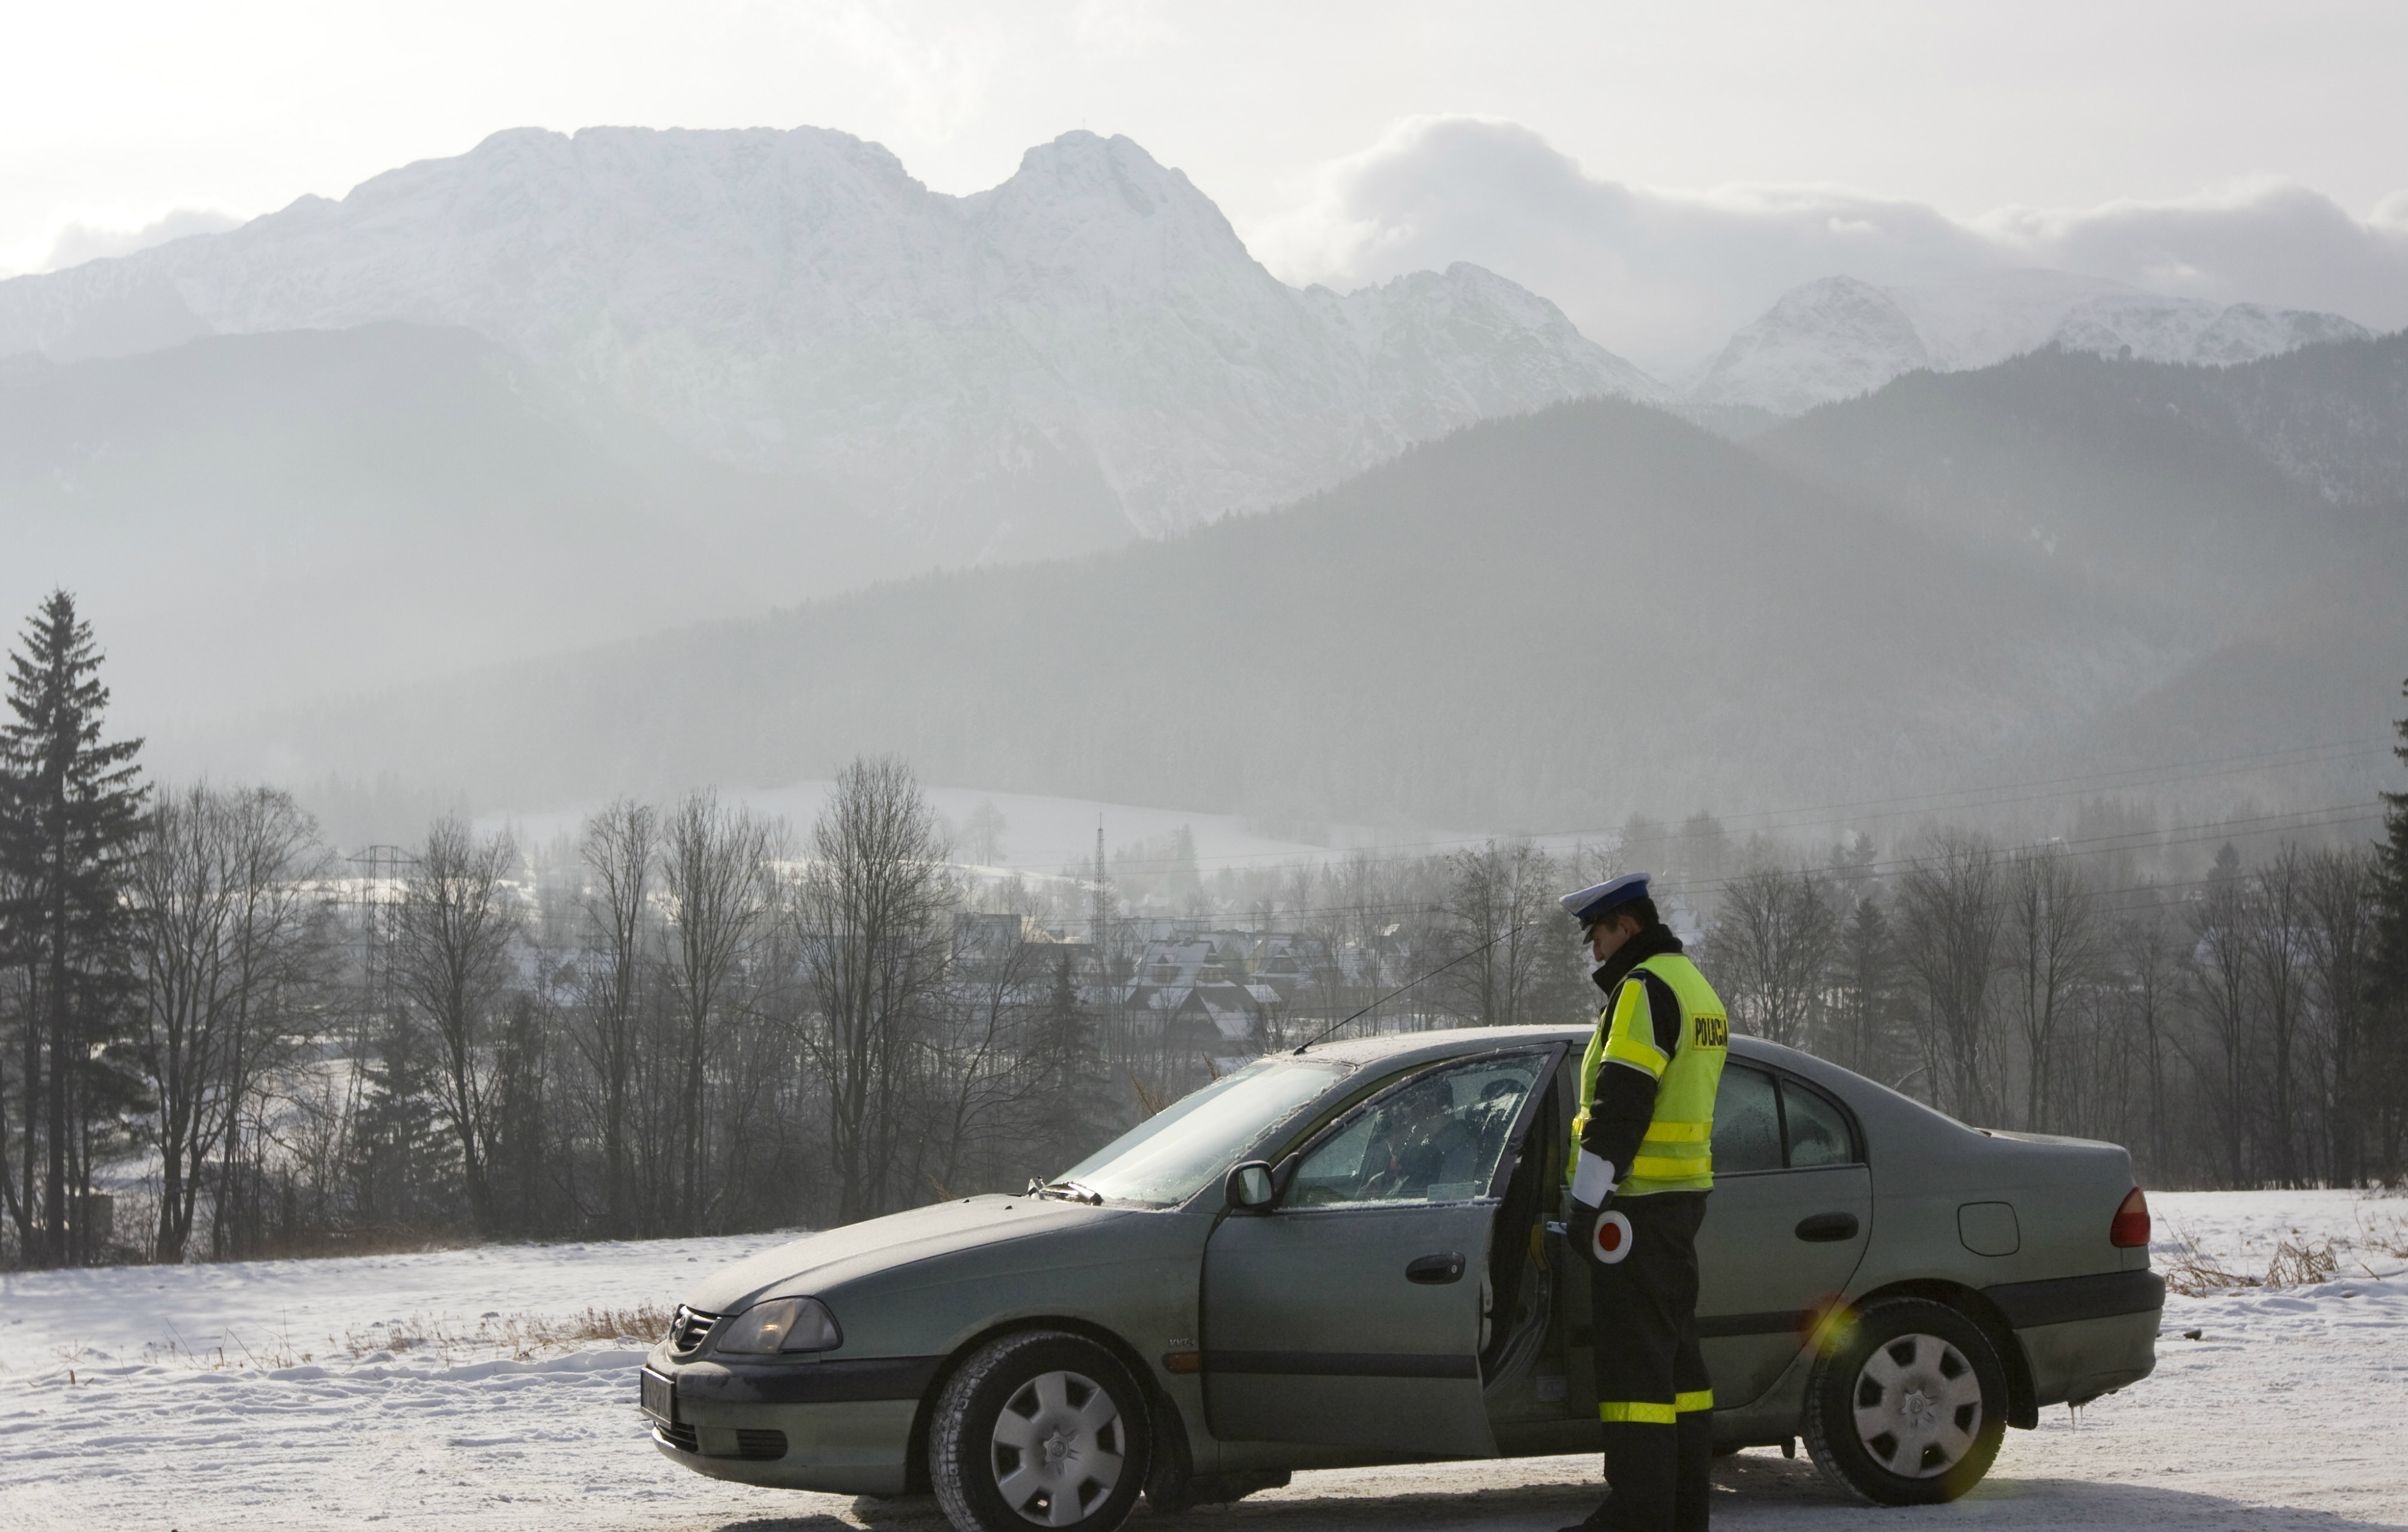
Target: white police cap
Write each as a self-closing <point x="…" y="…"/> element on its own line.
<point x="1591" y="905"/>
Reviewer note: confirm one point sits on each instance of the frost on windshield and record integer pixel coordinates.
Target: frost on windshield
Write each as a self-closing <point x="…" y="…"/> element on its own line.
<point x="1175" y="1153"/>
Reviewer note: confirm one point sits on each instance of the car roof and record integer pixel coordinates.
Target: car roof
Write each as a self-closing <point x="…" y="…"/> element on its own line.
<point x="1392" y="1048"/>
<point x="1389" y="1050"/>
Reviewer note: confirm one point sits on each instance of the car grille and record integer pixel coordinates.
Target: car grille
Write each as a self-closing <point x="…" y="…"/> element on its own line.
<point x="761" y="1444"/>
<point x="687" y="1330"/>
<point x="680" y="1437"/>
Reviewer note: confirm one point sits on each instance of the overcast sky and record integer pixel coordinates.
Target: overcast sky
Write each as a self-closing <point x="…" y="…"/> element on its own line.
<point x="1603" y="153"/>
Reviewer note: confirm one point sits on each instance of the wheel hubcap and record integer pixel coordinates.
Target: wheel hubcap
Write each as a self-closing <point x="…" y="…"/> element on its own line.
<point x="1058" y="1449"/>
<point x="1919" y="1406"/>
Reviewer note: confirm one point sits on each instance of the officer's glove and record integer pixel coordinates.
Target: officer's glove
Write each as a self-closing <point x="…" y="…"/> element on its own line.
<point x="1594" y="1229"/>
<point x="1580" y="1226"/>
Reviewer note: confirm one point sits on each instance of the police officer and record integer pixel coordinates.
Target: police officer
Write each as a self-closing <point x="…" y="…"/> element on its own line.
<point x="1641" y="1166"/>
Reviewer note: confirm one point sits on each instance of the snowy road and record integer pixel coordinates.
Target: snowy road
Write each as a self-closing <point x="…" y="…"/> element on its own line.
<point x="181" y="1398"/>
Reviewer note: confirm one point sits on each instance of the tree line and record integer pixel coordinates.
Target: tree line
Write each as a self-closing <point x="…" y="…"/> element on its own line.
<point x="222" y="1038"/>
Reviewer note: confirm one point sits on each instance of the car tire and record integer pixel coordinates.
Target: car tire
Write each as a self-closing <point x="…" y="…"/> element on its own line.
<point x="1908" y="1407"/>
<point x="1042" y="1429"/>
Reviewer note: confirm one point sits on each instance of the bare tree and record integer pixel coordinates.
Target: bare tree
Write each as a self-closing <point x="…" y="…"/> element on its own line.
<point x="2277" y="939"/>
<point x="2147" y="974"/>
<point x="1950" y="908"/>
<point x="452" y="958"/>
<point x="618" y="849"/>
<point x="1771" y="948"/>
<point x="2050" y="951"/>
<point x="983" y="834"/>
<point x="2218" y="978"/>
<point x="986" y="1064"/>
<point x="2339" y="896"/>
<point x="227" y="941"/>
<point x="714" y="870"/>
<point x="1497" y="908"/>
<point x="871" y="907"/>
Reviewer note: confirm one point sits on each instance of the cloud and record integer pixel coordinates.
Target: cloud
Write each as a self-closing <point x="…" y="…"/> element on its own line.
<point x="1665" y="276"/>
<point x="78" y="240"/>
<point x="935" y="75"/>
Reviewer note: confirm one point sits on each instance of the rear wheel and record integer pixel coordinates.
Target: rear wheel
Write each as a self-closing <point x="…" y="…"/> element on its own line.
<point x="1910" y="1408"/>
<point x="1038" y="1429"/>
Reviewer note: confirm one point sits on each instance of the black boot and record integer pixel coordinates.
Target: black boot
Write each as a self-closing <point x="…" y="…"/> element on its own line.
<point x="1639" y="1476"/>
<point x="1693" y="1456"/>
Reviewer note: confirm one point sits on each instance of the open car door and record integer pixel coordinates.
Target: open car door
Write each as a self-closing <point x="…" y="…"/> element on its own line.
<point x="1351" y="1313"/>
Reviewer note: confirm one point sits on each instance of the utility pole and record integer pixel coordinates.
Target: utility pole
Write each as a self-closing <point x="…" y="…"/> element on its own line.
<point x="1107" y="990"/>
<point x="1103" y="898"/>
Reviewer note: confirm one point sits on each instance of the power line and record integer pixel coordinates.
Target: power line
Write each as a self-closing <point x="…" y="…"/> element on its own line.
<point x="2183" y="772"/>
<point x="2100" y="845"/>
<point x="2210" y="830"/>
<point x="2144" y="841"/>
<point x="2325" y="753"/>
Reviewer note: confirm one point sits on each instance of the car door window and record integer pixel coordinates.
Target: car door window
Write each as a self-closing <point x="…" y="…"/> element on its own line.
<point x="1818" y="1134"/>
<point x="1747" y="1122"/>
<point x="1437" y="1138"/>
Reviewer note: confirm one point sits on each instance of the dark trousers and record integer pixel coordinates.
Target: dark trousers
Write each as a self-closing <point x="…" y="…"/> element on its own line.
<point x="1653" y="1393"/>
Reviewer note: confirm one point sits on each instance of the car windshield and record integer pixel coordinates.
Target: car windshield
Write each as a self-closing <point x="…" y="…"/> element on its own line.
<point x="1179" y="1151"/>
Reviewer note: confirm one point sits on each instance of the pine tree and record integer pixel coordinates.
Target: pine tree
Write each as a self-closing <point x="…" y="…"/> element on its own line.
<point x="70" y="807"/>
<point x="1073" y="1103"/>
<point x="2391" y="883"/>
<point x="404" y="1169"/>
<point x="2385" y="1058"/>
<point x="1865" y="978"/>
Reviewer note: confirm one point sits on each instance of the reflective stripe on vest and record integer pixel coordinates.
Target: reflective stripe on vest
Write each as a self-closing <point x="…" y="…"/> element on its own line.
<point x="1677" y="1153"/>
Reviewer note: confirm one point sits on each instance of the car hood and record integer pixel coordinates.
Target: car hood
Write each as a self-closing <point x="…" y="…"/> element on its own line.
<point x="843" y="1254"/>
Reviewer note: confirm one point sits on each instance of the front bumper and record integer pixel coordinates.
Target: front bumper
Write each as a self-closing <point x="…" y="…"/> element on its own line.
<point x="843" y="1426"/>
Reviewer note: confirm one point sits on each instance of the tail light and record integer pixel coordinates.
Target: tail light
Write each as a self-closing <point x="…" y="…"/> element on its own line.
<point x="2131" y="1229"/>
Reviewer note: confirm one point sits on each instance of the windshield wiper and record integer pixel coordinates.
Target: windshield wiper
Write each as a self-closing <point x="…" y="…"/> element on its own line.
<point x="1072" y="1191"/>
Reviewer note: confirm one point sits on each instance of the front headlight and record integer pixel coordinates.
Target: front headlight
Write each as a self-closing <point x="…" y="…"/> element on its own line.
<point x="782" y="1325"/>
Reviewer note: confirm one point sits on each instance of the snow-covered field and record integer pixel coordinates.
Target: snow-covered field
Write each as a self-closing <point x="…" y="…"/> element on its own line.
<point x="341" y="1393"/>
<point x="1040" y="835"/>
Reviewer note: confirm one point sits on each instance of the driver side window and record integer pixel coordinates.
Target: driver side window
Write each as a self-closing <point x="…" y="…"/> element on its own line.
<point x="1437" y="1138"/>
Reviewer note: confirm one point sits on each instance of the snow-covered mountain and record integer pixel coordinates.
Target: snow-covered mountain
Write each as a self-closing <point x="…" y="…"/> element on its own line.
<point x="1086" y="348"/>
<point x="1839" y="337"/>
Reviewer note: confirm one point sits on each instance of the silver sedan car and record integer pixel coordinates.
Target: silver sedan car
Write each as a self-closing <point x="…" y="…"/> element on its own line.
<point x="1344" y="1256"/>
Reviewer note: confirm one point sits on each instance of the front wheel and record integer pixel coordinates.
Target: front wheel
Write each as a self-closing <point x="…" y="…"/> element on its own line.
<point x="1910" y="1406"/>
<point x="1038" y="1429"/>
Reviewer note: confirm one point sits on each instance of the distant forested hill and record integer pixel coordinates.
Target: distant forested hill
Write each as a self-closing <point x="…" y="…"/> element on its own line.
<point x="2181" y="484"/>
<point x="1545" y="621"/>
<point x="2258" y="513"/>
<point x="247" y="517"/>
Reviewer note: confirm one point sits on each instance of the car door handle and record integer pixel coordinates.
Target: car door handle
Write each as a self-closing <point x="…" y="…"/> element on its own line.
<point x="1826" y="1227"/>
<point x="1435" y="1271"/>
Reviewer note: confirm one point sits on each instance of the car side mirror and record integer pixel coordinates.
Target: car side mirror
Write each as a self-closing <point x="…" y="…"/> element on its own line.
<point x="1251" y="1188"/>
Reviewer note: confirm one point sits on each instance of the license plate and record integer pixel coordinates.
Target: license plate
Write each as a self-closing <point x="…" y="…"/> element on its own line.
<point x="660" y="1397"/>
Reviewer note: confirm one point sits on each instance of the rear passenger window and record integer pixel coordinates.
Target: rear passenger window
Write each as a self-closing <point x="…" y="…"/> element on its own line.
<point x="1747" y="1122"/>
<point x="1818" y="1134"/>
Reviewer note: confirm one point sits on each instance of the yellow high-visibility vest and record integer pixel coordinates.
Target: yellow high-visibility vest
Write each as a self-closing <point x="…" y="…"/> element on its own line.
<point x="1677" y="1154"/>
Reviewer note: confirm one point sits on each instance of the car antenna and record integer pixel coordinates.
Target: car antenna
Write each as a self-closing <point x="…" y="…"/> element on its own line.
<point x="1409" y="984"/>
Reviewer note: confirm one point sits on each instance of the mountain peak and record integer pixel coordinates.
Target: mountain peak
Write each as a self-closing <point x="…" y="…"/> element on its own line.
<point x="1084" y="349"/>
<point x="1838" y="336"/>
<point x="1831" y="338"/>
